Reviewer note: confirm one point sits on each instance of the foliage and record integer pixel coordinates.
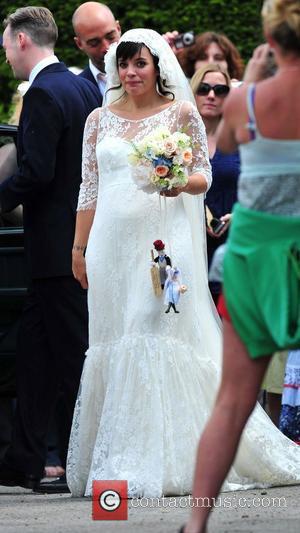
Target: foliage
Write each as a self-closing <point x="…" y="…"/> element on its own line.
<point x="240" y="21"/>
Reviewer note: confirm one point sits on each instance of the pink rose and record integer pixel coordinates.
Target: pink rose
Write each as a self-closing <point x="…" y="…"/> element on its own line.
<point x="187" y="157"/>
<point x="170" y="148"/>
<point x="161" y="171"/>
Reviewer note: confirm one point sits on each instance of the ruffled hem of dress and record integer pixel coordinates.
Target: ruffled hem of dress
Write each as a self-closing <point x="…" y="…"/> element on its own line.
<point x="142" y="405"/>
<point x="142" y="395"/>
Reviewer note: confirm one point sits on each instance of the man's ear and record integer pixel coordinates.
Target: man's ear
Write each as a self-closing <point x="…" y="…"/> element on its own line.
<point x="22" y="39"/>
<point x="118" y="27"/>
<point x="78" y="42"/>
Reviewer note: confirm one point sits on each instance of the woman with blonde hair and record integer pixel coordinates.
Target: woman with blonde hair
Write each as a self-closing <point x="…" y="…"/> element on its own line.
<point x="264" y="243"/>
<point x="211" y="85"/>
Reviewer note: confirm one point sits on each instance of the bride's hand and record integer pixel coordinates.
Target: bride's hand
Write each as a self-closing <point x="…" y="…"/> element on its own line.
<point x="79" y="268"/>
<point x="196" y="184"/>
<point x="175" y="191"/>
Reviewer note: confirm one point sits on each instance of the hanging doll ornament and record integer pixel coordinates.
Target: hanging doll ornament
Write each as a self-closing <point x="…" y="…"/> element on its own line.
<point x="162" y="260"/>
<point x="165" y="278"/>
<point x="173" y="289"/>
<point x="158" y="267"/>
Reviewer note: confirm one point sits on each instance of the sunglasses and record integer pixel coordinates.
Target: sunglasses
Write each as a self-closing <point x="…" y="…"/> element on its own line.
<point x="219" y="90"/>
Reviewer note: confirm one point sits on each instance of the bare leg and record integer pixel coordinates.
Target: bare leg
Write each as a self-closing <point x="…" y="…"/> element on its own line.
<point x="216" y="453"/>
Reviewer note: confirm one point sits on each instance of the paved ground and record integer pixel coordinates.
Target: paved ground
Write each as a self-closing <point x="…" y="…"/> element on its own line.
<point x="265" y="511"/>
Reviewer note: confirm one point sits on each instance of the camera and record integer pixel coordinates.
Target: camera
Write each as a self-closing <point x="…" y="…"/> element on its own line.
<point x="213" y="223"/>
<point x="216" y="225"/>
<point x="184" y="39"/>
<point x="271" y="65"/>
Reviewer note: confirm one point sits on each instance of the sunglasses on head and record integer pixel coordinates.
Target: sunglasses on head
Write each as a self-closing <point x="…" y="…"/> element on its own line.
<point x="219" y="90"/>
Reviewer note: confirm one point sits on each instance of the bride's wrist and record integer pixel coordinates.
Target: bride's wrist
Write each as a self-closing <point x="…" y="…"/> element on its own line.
<point x="78" y="249"/>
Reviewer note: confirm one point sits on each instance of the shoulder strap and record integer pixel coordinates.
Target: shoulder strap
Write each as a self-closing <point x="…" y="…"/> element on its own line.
<point x="251" y="125"/>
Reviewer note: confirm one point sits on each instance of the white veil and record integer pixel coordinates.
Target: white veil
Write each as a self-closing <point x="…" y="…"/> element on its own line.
<point x="173" y="79"/>
<point x="171" y="73"/>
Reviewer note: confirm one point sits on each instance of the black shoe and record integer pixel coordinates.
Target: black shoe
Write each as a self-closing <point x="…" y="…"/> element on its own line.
<point x="175" y="310"/>
<point x="168" y="310"/>
<point x="13" y="478"/>
<point x="57" y="486"/>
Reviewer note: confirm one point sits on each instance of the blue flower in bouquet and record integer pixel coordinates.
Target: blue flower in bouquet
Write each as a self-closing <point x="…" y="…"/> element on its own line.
<point x="164" y="161"/>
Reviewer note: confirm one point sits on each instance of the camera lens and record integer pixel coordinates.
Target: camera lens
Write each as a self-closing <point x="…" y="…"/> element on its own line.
<point x="188" y="38"/>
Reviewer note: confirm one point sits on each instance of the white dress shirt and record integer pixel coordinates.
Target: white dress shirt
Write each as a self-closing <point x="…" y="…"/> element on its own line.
<point x="99" y="76"/>
<point x="41" y="65"/>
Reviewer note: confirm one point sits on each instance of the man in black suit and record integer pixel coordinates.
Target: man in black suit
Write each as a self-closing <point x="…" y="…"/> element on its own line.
<point x="95" y="28"/>
<point x="53" y="333"/>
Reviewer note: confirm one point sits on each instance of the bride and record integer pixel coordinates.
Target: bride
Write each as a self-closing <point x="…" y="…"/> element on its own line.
<point x="150" y="378"/>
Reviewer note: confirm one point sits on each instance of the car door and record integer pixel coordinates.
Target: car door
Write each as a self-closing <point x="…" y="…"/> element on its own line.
<point x="12" y="268"/>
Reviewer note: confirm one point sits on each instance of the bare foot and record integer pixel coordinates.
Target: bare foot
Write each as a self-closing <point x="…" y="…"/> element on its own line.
<point x="191" y="528"/>
<point x="54" y="471"/>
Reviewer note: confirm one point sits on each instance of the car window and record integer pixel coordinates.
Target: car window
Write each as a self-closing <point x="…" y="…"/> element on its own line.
<point x="8" y="166"/>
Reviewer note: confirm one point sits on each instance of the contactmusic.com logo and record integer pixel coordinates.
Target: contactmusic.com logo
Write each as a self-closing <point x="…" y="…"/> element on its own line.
<point x="110" y="500"/>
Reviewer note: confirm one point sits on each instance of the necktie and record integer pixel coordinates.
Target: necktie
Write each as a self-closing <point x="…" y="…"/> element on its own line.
<point x="101" y="78"/>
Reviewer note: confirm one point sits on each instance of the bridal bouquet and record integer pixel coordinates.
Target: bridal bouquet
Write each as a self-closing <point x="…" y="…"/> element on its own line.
<point x="160" y="160"/>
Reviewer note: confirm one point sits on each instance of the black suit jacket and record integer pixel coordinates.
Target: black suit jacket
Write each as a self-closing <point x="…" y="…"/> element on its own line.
<point x="47" y="183"/>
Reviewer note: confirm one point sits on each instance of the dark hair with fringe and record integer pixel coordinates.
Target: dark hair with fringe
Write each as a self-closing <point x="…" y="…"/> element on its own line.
<point x="127" y="50"/>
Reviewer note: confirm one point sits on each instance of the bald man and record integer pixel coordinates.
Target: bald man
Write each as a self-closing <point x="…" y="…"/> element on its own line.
<point x="95" y="29"/>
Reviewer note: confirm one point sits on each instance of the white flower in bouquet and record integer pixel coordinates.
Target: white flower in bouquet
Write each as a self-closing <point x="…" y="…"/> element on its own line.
<point x="161" y="159"/>
<point x="142" y="177"/>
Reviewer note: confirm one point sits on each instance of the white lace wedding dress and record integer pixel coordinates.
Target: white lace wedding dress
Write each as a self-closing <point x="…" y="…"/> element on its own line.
<point x="150" y="378"/>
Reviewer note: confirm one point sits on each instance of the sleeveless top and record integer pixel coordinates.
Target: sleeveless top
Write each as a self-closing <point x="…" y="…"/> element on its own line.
<point x="222" y="194"/>
<point x="270" y="170"/>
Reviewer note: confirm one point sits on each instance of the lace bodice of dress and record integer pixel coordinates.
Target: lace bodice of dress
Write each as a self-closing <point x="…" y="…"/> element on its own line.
<point x="104" y="126"/>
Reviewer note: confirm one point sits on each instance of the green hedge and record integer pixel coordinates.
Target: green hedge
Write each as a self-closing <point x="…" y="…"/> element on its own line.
<point x="240" y="21"/>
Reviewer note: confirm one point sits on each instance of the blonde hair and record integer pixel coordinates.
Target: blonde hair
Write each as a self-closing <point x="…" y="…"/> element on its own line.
<point x="201" y="73"/>
<point x="37" y="22"/>
<point x="281" y="20"/>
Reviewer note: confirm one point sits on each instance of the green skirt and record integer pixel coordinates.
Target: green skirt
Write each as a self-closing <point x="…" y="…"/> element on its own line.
<point x="262" y="280"/>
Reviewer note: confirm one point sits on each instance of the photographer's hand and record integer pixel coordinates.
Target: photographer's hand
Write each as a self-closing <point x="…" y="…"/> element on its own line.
<point x="170" y="37"/>
<point x="256" y="68"/>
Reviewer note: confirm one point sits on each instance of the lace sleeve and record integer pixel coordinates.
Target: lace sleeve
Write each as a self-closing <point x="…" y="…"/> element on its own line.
<point x="192" y="124"/>
<point x="89" y="186"/>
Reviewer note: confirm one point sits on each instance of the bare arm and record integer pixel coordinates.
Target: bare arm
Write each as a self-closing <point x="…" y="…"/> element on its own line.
<point x="231" y="131"/>
<point x="84" y="221"/>
<point x="196" y="185"/>
<point x="226" y="141"/>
